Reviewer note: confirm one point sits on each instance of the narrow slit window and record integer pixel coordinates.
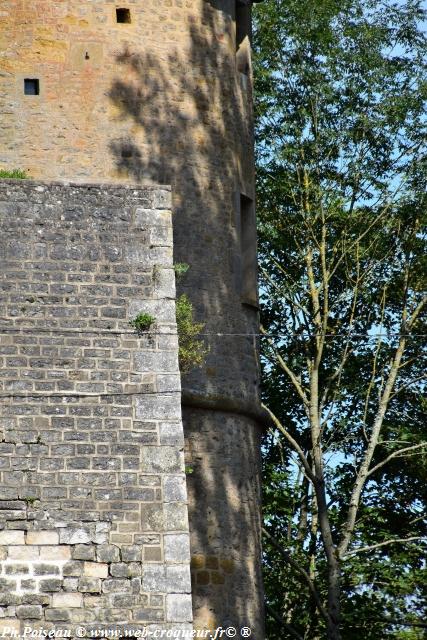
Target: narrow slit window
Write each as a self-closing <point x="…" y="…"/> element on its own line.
<point x="31" y="87"/>
<point x="248" y="242"/>
<point x="123" y="15"/>
<point x="243" y="36"/>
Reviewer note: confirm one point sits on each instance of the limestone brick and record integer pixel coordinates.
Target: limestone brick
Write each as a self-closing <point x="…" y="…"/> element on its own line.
<point x="67" y="600"/>
<point x="42" y="537"/>
<point x="95" y="569"/>
<point x="12" y="537"/>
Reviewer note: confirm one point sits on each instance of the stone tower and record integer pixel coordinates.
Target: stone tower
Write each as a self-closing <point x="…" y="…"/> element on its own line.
<point x="101" y="102"/>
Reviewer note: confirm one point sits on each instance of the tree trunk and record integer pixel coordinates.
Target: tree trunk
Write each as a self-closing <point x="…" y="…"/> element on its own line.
<point x="334" y="592"/>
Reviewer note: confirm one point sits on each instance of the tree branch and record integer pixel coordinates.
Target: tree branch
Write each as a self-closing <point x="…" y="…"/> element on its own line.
<point x="287" y="370"/>
<point x="292" y="442"/>
<point x="382" y="544"/>
<point x="301" y="572"/>
<point x="395" y="454"/>
<point x="284" y="624"/>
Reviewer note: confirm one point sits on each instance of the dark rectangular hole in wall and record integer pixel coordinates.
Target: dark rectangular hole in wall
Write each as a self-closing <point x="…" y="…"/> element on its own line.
<point x="123" y="15"/>
<point x="248" y="247"/>
<point x="31" y="87"/>
<point x="243" y="36"/>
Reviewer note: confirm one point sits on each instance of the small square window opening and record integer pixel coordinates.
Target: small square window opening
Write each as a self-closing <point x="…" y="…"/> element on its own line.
<point x="31" y="87"/>
<point x="123" y="16"/>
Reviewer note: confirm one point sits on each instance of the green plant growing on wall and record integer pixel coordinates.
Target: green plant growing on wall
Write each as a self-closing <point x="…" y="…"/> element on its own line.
<point x="192" y="351"/>
<point x="181" y="269"/>
<point x="14" y="173"/>
<point x="142" y="322"/>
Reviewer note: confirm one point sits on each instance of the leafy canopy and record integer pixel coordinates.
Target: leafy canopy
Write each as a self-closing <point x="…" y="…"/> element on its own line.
<point x="341" y="91"/>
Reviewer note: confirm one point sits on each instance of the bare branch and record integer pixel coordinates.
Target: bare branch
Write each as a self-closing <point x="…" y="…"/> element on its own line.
<point x="287" y="370"/>
<point x="417" y="312"/>
<point x="408" y="384"/>
<point x="382" y="544"/>
<point x="292" y="442"/>
<point x="395" y="454"/>
<point x="373" y="441"/>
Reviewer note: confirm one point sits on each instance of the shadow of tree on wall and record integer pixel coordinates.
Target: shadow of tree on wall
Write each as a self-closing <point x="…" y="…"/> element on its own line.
<point x="185" y="122"/>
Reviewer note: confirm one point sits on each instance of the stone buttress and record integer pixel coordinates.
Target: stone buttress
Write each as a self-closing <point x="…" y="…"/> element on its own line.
<point x="93" y="512"/>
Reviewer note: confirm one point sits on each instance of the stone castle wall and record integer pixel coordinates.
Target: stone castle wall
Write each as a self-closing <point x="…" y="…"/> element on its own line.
<point x="164" y="99"/>
<point x="93" y="511"/>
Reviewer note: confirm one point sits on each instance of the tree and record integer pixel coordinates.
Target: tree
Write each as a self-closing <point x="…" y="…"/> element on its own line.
<point x="341" y="142"/>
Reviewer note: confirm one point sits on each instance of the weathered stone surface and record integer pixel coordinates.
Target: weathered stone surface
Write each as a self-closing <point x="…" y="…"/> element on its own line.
<point x="107" y="553"/>
<point x="29" y="612"/>
<point x="161" y="460"/>
<point x="175" y="489"/>
<point x="178" y="608"/>
<point x="11" y="537"/>
<point x="95" y="569"/>
<point x="67" y="600"/>
<point x="177" y="547"/>
<point x="154" y="579"/>
<point x="86" y="483"/>
<point x="178" y="578"/>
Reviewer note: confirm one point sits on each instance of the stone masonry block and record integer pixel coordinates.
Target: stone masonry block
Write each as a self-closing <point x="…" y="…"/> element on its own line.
<point x="89" y="585"/>
<point x="171" y="433"/>
<point x="161" y="310"/>
<point x="23" y="553"/>
<point x="156" y="407"/>
<point x="164" y="283"/>
<point x="29" y="612"/>
<point x="43" y="537"/>
<point x="74" y="535"/>
<point x="12" y="537"/>
<point x="10" y="627"/>
<point x="178" y="578"/>
<point x="161" y="237"/>
<point x="174" y="488"/>
<point x="57" y="615"/>
<point x="67" y="600"/>
<point x="131" y="553"/>
<point x="177" y="547"/>
<point x="95" y="569"/>
<point x="120" y="569"/>
<point x="48" y="586"/>
<point x="57" y="552"/>
<point x="147" y="218"/>
<point x="107" y="553"/>
<point x="168" y="382"/>
<point x="154" y="579"/>
<point x="178" y="607"/>
<point x="161" y="198"/>
<point x="84" y="552"/>
<point x="156" y="362"/>
<point x="161" y="460"/>
<point x="116" y="585"/>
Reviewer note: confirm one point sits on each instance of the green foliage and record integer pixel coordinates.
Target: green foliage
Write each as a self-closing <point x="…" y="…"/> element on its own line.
<point x="181" y="269"/>
<point x="142" y="322"/>
<point x="192" y="351"/>
<point x="14" y="173"/>
<point x="341" y="150"/>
